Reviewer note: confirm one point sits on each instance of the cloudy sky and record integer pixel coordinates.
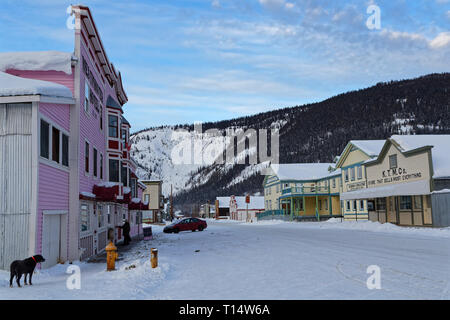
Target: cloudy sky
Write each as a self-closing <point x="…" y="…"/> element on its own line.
<point x="207" y="60"/>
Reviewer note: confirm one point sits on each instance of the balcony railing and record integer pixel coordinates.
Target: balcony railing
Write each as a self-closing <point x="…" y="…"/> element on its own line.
<point x="269" y="213"/>
<point x="306" y="190"/>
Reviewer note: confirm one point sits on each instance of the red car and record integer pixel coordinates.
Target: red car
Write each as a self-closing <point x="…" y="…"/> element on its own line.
<point x="185" y="225"/>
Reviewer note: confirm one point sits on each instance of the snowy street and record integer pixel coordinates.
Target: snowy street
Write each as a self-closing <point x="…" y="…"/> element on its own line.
<point x="265" y="260"/>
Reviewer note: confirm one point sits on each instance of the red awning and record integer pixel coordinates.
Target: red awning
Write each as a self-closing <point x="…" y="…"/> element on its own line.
<point x="137" y="206"/>
<point x="106" y="192"/>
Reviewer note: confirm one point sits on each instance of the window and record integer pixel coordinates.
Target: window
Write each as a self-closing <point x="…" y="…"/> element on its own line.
<point x="393" y="161"/>
<point x="113" y="126"/>
<point x="113" y="170"/>
<point x="418" y="202"/>
<point x="95" y="163"/>
<point x="133" y="186"/>
<point x="86" y="96"/>
<point x="320" y="204"/>
<point x="147" y="198"/>
<point x="101" y="218"/>
<point x="108" y="213"/>
<point x="359" y="172"/>
<point x="124" y="138"/>
<point x="101" y="118"/>
<point x="45" y="143"/>
<point x="348" y="205"/>
<point x="84" y="217"/>
<point x="381" y="203"/>
<point x="65" y="150"/>
<point x="101" y="166"/>
<point x="86" y="157"/>
<point x="352" y="171"/>
<point x="405" y="203"/>
<point x="361" y="205"/>
<point x="334" y="182"/>
<point x="355" y="205"/>
<point x="326" y="204"/>
<point x="346" y="175"/>
<point x="124" y="174"/>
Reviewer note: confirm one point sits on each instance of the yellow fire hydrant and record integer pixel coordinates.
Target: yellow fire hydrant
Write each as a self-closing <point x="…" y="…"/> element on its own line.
<point x="154" y="257"/>
<point x="111" y="256"/>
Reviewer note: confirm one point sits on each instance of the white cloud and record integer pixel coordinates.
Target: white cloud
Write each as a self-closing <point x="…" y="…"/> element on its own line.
<point x="216" y="3"/>
<point x="441" y="40"/>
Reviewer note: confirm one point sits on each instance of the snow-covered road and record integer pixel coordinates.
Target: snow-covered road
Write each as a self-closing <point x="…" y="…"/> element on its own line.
<point x="267" y="260"/>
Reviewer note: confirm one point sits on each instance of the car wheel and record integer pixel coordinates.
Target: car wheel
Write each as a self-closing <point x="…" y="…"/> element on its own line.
<point x="200" y="228"/>
<point x="176" y="230"/>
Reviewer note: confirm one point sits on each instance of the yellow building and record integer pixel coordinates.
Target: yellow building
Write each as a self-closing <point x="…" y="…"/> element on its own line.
<point x="301" y="191"/>
<point x="153" y="196"/>
<point x="352" y="164"/>
<point x="408" y="183"/>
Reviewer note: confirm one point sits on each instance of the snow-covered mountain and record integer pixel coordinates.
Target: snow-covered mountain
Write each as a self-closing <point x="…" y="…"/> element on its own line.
<point x="159" y="155"/>
<point x="310" y="133"/>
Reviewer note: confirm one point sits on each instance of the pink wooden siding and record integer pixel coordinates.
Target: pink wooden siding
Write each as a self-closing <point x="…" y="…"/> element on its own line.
<point x="90" y="131"/>
<point x="52" y="76"/>
<point x="53" y="194"/>
<point x="57" y="113"/>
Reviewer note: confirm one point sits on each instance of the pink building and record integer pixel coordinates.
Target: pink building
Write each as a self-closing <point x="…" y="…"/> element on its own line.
<point x="65" y="170"/>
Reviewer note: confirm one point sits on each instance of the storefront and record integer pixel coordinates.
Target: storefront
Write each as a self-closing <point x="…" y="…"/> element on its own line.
<point x="401" y="180"/>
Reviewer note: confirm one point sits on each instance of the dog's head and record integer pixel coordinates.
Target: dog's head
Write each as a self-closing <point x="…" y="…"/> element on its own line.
<point x="39" y="258"/>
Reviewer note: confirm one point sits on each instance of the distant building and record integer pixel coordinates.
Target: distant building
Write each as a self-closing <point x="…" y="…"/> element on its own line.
<point x="222" y="207"/>
<point x="242" y="211"/>
<point x="153" y="196"/>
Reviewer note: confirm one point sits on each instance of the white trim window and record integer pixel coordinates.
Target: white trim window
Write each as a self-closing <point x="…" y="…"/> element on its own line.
<point x="393" y="161"/>
<point x="85" y="224"/>
<point x="86" y="157"/>
<point x="54" y="143"/>
<point x="100" y="216"/>
<point x="95" y="162"/>
<point x="86" y="97"/>
<point x="360" y="172"/>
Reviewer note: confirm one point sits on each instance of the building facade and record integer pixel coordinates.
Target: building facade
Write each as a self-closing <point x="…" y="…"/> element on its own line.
<point x="240" y="210"/>
<point x="403" y="180"/>
<point x="302" y="191"/>
<point x="62" y="115"/>
<point x="155" y="199"/>
<point x="353" y="176"/>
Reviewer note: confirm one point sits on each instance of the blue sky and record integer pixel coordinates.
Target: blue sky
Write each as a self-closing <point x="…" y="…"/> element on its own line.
<point x="207" y="60"/>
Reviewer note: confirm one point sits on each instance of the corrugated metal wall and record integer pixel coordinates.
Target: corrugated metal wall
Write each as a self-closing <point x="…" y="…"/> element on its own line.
<point x="15" y="181"/>
<point x="440" y="204"/>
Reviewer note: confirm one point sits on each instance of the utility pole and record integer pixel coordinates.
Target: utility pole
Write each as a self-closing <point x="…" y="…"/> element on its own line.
<point x="171" y="203"/>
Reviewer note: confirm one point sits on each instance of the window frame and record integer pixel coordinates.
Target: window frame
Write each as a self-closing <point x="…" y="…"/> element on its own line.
<point x="52" y="127"/>
<point x="392" y="157"/>
<point x="115" y="127"/>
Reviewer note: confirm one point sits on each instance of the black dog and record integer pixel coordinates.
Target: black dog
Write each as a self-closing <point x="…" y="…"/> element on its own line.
<point x="19" y="267"/>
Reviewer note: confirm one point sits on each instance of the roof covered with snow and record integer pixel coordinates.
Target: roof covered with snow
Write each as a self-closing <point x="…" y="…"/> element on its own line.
<point x="224" y="202"/>
<point x="440" y="151"/>
<point x="16" y="86"/>
<point x="371" y="147"/>
<point x="255" y="202"/>
<point x="303" y="171"/>
<point x="37" y="61"/>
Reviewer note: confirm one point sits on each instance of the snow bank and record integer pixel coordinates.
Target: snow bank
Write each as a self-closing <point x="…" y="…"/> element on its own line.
<point x="37" y="61"/>
<point x="335" y="223"/>
<point x="16" y="86"/>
